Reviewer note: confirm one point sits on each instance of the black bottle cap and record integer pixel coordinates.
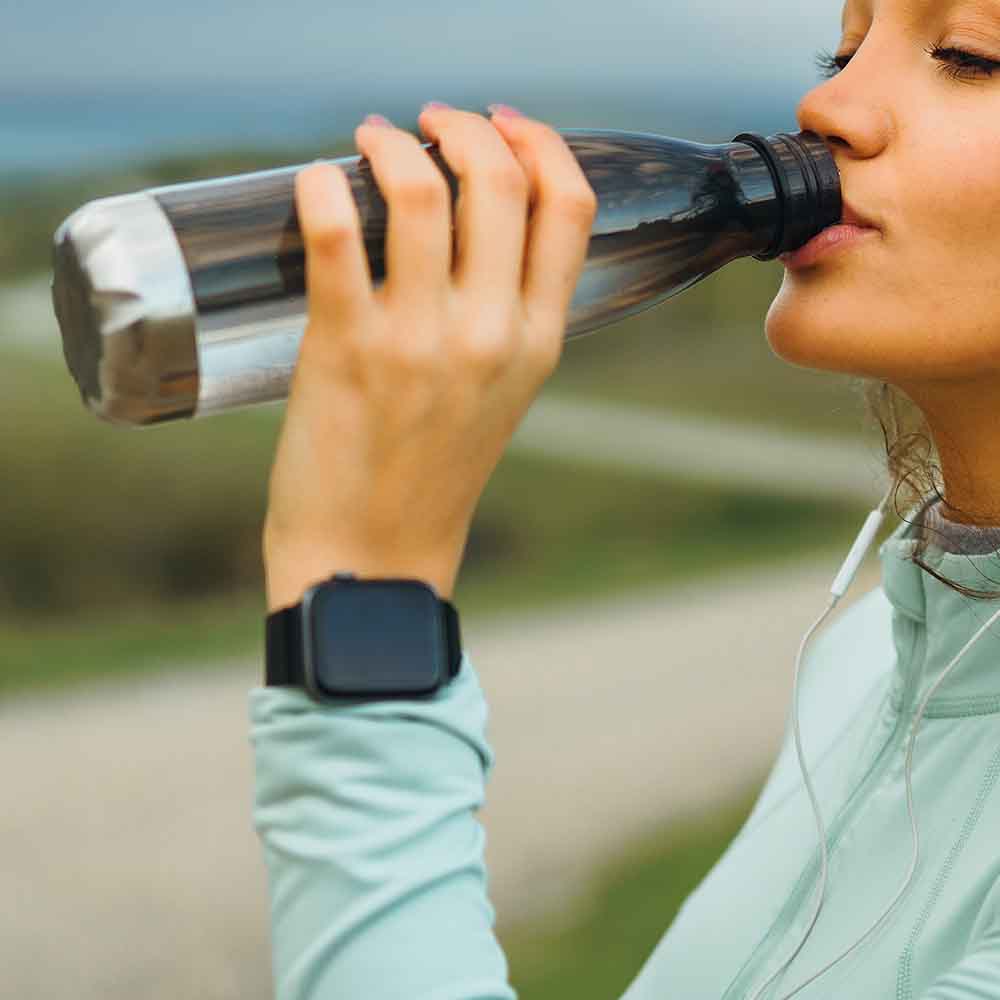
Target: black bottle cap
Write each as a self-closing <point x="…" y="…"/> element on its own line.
<point x="807" y="182"/>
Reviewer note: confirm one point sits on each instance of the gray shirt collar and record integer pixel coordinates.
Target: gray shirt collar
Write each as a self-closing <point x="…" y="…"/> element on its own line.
<point x="950" y="536"/>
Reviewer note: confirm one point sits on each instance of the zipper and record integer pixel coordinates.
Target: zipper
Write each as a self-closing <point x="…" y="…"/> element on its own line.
<point x="762" y="954"/>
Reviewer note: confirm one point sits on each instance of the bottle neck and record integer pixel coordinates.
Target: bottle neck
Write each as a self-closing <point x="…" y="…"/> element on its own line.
<point x="790" y="187"/>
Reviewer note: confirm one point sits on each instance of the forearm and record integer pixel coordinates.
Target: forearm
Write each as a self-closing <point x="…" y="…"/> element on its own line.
<point x="374" y="854"/>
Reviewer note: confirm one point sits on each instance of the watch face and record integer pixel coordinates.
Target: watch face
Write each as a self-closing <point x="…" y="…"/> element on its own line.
<point x="376" y="637"/>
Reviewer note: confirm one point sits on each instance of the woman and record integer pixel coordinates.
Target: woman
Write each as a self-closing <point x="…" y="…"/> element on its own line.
<point x="402" y="404"/>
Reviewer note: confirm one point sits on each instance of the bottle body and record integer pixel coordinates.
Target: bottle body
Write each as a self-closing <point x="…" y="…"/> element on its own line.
<point x="190" y="299"/>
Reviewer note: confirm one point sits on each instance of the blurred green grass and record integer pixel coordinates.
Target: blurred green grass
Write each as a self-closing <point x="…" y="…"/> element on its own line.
<point x="596" y="951"/>
<point x="669" y="358"/>
<point x="93" y="515"/>
<point x="123" y="551"/>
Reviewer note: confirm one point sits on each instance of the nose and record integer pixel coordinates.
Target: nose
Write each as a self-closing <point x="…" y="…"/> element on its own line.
<point x="850" y="111"/>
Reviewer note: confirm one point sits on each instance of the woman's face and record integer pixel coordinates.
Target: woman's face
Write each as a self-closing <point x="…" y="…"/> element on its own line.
<point x="919" y="156"/>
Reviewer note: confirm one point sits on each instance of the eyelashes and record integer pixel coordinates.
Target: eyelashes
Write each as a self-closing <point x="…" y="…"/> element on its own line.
<point x="957" y="64"/>
<point x="962" y="65"/>
<point x="829" y="65"/>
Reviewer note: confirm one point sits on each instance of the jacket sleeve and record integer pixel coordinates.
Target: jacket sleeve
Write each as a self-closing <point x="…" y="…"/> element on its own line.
<point x="376" y="874"/>
<point x="976" y="976"/>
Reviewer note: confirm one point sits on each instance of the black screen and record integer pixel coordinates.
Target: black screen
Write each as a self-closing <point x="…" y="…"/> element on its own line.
<point x="378" y="636"/>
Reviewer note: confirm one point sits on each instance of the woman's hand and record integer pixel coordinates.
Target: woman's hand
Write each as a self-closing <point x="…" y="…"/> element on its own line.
<point x="404" y="397"/>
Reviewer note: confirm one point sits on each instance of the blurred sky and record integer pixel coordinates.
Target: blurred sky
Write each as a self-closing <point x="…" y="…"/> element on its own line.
<point x="73" y="73"/>
<point x="349" y="41"/>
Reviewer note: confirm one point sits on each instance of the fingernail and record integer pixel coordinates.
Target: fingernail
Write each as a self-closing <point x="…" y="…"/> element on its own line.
<point x="379" y="120"/>
<point x="434" y="104"/>
<point x="504" y="109"/>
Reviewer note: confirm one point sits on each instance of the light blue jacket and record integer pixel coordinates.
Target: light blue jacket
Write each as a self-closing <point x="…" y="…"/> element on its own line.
<point x="377" y="882"/>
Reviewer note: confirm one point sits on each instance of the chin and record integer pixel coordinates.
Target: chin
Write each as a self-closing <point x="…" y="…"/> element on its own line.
<point x="809" y="331"/>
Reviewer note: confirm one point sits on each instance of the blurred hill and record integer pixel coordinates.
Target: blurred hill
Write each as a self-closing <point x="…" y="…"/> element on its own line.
<point x="61" y="132"/>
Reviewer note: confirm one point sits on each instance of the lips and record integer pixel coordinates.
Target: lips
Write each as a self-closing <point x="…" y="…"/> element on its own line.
<point x="838" y="237"/>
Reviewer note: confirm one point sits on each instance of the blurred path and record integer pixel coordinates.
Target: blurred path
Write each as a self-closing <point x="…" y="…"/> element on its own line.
<point x="728" y="454"/>
<point x="130" y="865"/>
<point x="714" y="452"/>
<point x="27" y="320"/>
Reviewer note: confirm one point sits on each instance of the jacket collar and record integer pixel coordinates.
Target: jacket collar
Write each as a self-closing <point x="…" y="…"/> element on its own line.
<point x="931" y="623"/>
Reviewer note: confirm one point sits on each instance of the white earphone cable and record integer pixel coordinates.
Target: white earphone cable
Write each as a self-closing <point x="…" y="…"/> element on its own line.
<point x="840" y="586"/>
<point x="843" y="581"/>
<point x="812" y="798"/>
<point x="909" y="806"/>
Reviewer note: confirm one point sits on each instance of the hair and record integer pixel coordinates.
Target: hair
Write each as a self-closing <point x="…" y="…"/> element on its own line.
<point x="913" y="464"/>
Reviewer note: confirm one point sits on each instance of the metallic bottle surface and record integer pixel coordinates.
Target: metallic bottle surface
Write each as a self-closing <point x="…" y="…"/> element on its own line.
<point x="190" y="299"/>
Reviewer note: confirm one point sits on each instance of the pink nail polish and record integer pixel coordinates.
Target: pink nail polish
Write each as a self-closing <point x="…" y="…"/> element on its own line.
<point x="504" y="109"/>
<point x="431" y="105"/>
<point x="378" y="120"/>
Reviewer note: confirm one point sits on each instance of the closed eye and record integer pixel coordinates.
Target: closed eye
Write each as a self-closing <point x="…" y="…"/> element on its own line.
<point x="958" y="64"/>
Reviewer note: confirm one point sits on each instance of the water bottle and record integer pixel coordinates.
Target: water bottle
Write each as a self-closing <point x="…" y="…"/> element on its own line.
<point x="190" y="299"/>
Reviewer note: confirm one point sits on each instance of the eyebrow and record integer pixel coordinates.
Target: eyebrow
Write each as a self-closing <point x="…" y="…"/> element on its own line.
<point x="980" y="6"/>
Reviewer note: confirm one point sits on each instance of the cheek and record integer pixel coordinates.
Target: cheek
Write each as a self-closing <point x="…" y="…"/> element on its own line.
<point x="950" y="224"/>
<point x="946" y="254"/>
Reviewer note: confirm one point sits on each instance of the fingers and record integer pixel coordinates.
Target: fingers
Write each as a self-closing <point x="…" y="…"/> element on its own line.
<point x="503" y="256"/>
<point x="492" y="217"/>
<point x="338" y="279"/>
<point x="565" y="207"/>
<point x="418" y="239"/>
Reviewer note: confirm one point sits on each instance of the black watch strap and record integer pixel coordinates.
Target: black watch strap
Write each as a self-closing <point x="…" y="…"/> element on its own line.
<point x="284" y="663"/>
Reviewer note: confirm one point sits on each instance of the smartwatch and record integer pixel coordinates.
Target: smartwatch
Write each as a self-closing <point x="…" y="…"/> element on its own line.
<point x="364" y="640"/>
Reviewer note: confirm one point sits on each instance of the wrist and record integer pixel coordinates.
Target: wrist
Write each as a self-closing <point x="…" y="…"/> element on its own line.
<point x="290" y="571"/>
